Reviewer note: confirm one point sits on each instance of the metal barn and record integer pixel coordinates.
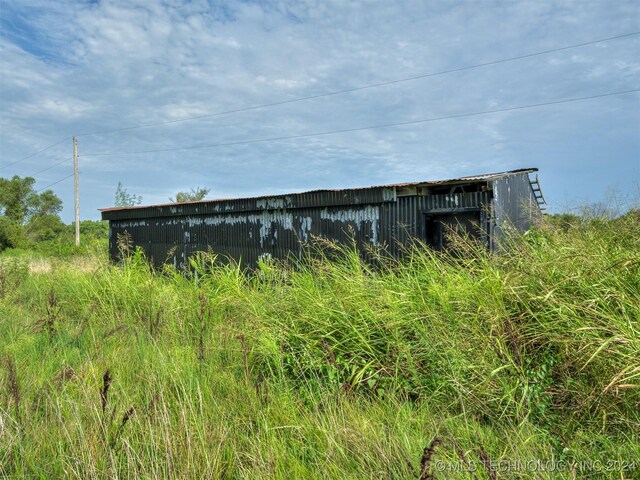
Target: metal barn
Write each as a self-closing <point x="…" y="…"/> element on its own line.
<point x="246" y="229"/>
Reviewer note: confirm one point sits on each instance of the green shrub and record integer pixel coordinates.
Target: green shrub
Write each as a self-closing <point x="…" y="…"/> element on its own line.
<point x="11" y="234"/>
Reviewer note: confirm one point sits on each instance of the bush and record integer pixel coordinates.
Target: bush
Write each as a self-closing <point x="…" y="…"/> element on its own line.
<point x="11" y="234"/>
<point x="44" y="227"/>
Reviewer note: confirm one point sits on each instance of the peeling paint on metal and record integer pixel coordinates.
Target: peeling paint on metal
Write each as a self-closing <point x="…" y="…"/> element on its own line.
<point x="389" y="194"/>
<point x="267" y="221"/>
<point x="305" y="228"/>
<point x="133" y="223"/>
<point x="368" y="213"/>
<point x="273" y="203"/>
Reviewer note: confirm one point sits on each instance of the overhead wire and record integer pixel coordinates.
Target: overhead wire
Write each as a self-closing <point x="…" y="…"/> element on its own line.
<point x="370" y="127"/>
<point x="34" y="154"/>
<point x="55" y="183"/>
<point x="364" y="87"/>
<point x="49" y="168"/>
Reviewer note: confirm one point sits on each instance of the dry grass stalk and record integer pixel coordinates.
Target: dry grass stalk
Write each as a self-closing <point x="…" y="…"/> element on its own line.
<point x="427" y="456"/>
<point x="245" y="355"/>
<point x="514" y="341"/>
<point x="3" y="281"/>
<point x="486" y="461"/>
<point x="154" y="323"/>
<point x="331" y="356"/>
<point x="125" y="418"/>
<point x="48" y="323"/>
<point x="12" y="386"/>
<point x="114" y="330"/>
<point x="201" y="318"/>
<point x="65" y="374"/>
<point x="151" y="408"/>
<point x="104" y="392"/>
<point x="462" y="455"/>
<point x="262" y="389"/>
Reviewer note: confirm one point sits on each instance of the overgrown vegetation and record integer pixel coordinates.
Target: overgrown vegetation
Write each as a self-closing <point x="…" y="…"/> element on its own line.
<point x="194" y="195"/>
<point x="522" y="365"/>
<point x="30" y="221"/>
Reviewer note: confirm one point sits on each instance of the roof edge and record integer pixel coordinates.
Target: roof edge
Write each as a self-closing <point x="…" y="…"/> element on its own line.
<point x="486" y="176"/>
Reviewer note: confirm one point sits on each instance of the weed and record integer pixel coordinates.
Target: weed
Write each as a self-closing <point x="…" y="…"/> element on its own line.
<point x="124" y="243"/>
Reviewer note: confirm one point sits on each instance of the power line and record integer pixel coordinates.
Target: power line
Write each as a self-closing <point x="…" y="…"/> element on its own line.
<point x="34" y="154"/>
<point x="49" y="168"/>
<point x="370" y="127"/>
<point x="55" y="183"/>
<point x="365" y="87"/>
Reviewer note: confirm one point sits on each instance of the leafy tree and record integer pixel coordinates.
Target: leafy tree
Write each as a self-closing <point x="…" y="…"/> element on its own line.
<point x="98" y="229"/>
<point x="192" y="196"/>
<point x="125" y="199"/>
<point x="47" y="203"/>
<point x="27" y="214"/>
<point x="42" y="228"/>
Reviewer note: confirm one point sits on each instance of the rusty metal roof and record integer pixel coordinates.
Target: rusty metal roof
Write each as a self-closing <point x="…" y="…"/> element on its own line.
<point x="472" y="178"/>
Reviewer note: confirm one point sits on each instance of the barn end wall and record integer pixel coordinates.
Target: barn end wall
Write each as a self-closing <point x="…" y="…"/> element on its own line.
<point x="514" y="206"/>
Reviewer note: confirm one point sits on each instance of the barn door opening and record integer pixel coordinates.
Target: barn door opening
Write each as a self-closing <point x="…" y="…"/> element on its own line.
<point x="440" y="228"/>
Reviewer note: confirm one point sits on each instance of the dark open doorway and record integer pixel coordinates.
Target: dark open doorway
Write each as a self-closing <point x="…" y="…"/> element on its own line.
<point x="440" y="227"/>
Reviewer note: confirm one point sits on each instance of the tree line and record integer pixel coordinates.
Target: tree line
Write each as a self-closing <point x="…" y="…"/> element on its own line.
<point x="31" y="219"/>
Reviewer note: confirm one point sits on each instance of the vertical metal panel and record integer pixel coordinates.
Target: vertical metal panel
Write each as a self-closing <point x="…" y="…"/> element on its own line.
<point x="514" y="206"/>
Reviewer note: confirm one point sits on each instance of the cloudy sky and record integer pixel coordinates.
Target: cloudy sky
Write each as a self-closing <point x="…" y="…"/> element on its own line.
<point x="94" y="68"/>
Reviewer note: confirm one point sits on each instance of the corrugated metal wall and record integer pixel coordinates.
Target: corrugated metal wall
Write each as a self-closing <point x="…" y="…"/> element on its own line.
<point x="279" y="226"/>
<point x="279" y="230"/>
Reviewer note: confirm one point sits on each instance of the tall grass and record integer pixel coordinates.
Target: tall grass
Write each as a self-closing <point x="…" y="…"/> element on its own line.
<point x="468" y="366"/>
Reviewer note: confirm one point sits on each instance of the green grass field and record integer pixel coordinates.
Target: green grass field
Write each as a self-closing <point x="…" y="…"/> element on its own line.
<point x="519" y="365"/>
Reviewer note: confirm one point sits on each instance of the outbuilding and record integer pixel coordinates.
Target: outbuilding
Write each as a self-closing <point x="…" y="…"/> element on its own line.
<point x="388" y="216"/>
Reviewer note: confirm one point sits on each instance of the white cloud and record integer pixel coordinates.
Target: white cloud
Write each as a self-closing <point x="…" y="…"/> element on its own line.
<point x="114" y="64"/>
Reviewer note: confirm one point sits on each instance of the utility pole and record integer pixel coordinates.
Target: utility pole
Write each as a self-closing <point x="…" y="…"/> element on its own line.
<point x="75" y="188"/>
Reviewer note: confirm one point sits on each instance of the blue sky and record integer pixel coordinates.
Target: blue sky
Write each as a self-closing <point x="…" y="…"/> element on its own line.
<point x="76" y="67"/>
